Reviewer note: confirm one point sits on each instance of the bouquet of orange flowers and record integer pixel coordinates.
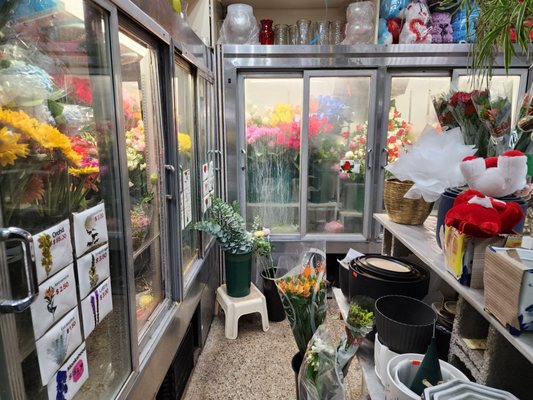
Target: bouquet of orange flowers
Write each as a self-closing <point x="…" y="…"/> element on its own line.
<point x="303" y="294"/>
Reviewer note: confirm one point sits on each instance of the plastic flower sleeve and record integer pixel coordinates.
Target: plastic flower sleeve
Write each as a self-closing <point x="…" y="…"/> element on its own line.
<point x="494" y="110"/>
<point x="358" y="324"/>
<point x="319" y="378"/>
<point x="524" y="125"/>
<point x="23" y="67"/>
<point x="303" y="294"/>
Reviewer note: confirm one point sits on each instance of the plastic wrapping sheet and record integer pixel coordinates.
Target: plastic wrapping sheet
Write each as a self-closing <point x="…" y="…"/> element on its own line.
<point x="240" y="26"/>
<point x="433" y="163"/>
<point x="23" y="67"/>
<point x="494" y="111"/>
<point x="360" y="23"/>
<point x="392" y="8"/>
<point x="319" y="378"/>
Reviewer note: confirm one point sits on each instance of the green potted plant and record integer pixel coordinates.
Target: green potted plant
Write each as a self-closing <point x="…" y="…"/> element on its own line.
<point x="227" y="226"/>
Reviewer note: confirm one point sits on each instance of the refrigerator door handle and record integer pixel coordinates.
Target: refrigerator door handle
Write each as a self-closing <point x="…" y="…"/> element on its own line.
<point x="20" y="235"/>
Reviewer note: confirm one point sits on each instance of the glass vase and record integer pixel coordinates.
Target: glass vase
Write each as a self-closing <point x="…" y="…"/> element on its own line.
<point x="266" y="34"/>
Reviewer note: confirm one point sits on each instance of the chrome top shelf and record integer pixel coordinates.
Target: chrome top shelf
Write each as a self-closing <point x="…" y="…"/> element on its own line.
<point x="365" y="55"/>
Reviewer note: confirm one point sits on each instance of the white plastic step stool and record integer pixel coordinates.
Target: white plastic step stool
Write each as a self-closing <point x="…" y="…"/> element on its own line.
<point x="235" y="307"/>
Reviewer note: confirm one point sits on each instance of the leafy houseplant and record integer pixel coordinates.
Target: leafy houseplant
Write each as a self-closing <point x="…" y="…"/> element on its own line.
<point x="229" y="229"/>
<point x="227" y="226"/>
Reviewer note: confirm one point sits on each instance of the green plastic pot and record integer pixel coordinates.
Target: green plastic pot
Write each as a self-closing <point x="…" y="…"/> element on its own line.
<point x="238" y="274"/>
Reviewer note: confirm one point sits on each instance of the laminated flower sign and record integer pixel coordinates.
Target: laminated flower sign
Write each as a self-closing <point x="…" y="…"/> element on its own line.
<point x="90" y="229"/>
<point x="303" y="294"/>
<point x="70" y="377"/>
<point x="96" y="306"/>
<point x="57" y="344"/>
<point x="57" y="296"/>
<point x="53" y="250"/>
<point x="92" y="268"/>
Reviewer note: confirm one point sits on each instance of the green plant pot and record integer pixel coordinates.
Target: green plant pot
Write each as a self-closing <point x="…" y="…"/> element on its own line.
<point x="238" y="274"/>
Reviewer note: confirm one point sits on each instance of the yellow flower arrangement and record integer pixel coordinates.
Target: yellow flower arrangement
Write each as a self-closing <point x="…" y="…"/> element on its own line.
<point x="184" y="143"/>
<point x="282" y="113"/>
<point x="48" y="169"/>
<point x="45" y="135"/>
<point x="83" y="171"/>
<point x="10" y="148"/>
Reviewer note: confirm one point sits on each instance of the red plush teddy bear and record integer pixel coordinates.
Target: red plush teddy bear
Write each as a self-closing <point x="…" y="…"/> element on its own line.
<point x="477" y="215"/>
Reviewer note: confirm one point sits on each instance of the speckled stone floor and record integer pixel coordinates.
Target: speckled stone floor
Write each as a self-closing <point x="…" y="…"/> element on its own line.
<point x="257" y="365"/>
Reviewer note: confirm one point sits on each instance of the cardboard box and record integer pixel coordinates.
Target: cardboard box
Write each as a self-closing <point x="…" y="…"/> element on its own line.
<point x="509" y="287"/>
<point x="464" y="255"/>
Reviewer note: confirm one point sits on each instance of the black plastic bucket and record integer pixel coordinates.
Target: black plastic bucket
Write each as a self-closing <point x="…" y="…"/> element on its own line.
<point x="404" y="324"/>
<point x="344" y="280"/>
<point x="296" y="363"/>
<point x="276" y="313"/>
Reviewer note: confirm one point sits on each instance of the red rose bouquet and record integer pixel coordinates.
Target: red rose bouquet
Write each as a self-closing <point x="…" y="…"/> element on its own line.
<point x="462" y="108"/>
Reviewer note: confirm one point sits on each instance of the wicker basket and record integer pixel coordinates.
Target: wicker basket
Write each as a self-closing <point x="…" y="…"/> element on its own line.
<point x="402" y="210"/>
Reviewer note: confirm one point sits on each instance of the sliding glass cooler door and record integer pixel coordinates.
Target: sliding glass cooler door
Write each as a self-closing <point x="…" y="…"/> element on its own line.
<point x="305" y="150"/>
<point x="184" y="113"/>
<point x="60" y="194"/>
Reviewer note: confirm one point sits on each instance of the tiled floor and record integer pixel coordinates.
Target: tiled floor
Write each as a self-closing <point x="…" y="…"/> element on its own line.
<point x="257" y="365"/>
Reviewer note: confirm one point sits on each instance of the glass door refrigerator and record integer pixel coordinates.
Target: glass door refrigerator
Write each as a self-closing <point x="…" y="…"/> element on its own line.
<point x="64" y="314"/>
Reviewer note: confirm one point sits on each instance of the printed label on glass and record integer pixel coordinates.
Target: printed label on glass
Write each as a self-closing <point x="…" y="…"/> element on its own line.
<point x="70" y="377"/>
<point x="92" y="269"/>
<point x="205" y="188"/>
<point x="211" y="175"/>
<point x="53" y="250"/>
<point x="206" y="203"/>
<point x="205" y="172"/>
<point x="57" y="344"/>
<point x="57" y="296"/>
<point x="96" y="306"/>
<point x="187" y="207"/>
<point x="90" y="229"/>
<point x="350" y="166"/>
<point x="182" y="213"/>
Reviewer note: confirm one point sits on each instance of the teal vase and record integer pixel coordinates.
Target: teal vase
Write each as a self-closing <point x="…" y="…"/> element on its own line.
<point x="238" y="274"/>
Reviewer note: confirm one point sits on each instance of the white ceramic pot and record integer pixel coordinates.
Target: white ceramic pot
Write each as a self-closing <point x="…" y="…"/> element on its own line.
<point x="382" y="356"/>
<point x="402" y="369"/>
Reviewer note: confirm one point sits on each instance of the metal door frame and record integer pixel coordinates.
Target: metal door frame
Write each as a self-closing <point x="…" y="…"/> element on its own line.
<point x="370" y="157"/>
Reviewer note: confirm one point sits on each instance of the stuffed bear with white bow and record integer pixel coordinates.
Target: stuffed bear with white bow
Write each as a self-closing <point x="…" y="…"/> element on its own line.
<point x="415" y="28"/>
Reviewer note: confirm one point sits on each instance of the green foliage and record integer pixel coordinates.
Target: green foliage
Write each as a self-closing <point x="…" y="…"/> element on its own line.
<point x="227" y="226"/>
<point x="359" y="317"/>
<point x="496" y="19"/>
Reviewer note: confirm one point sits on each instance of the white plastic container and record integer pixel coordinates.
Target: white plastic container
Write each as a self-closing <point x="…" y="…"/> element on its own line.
<point x="382" y="356"/>
<point x="402" y="369"/>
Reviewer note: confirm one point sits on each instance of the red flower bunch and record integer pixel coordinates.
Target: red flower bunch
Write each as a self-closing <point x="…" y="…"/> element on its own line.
<point x="463" y="100"/>
<point x="318" y="125"/>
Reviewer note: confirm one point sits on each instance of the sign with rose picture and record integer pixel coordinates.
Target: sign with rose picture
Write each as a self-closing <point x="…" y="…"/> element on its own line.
<point x="57" y="296"/>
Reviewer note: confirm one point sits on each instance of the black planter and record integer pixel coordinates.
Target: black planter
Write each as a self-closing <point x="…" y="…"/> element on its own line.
<point x="296" y="363"/>
<point x="365" y="280"/>
<point x="404" y="324"/>
<point x="276" y="313"/>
